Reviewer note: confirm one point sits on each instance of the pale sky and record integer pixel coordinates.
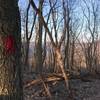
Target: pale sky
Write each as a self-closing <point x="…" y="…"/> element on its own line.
<point x="23" y="5"/>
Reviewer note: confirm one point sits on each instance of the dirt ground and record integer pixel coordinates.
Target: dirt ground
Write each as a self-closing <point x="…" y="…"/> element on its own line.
<point x="80" y="90"/>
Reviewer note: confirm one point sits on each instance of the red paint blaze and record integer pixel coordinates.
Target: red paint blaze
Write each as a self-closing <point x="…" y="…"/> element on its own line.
<point x="9" y="44"/>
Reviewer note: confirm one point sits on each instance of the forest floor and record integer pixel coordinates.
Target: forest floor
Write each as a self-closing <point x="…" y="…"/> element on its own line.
<point x="81" y="89"/>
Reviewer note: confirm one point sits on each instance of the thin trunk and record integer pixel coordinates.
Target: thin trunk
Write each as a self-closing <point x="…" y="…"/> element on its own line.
<point x="39" y="64"/>
<point x="72" y="54"/>
<point x="27" y="52"/>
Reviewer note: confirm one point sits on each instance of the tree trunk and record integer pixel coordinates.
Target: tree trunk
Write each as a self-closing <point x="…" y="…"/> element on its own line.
<point x="60" y="64"/>
<point x="39" y="64"/>
<point x="10" y="66"/>
<point x="72" y="54"/>
<point x="27" y="53"/>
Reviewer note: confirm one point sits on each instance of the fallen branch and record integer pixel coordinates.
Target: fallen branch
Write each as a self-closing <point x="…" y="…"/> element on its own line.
<point x="46" y="87"/>
<point x="50" y="78"/>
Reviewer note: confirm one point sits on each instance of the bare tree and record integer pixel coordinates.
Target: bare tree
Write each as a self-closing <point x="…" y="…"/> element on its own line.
<point x="92" y="29"/>
<point x="28" y="32"/>
<point x="54" y="45"/>
<point x="38" y="40"/>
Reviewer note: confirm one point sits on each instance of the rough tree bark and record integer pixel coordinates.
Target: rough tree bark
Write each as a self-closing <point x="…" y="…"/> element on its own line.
<point x="10" y="66"/>
<point x="39" y="65"/>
